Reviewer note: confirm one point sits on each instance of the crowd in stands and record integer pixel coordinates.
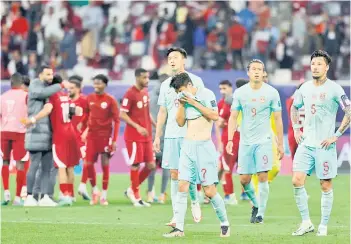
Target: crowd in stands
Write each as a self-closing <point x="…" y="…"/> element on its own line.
<point x="115" y="37"/>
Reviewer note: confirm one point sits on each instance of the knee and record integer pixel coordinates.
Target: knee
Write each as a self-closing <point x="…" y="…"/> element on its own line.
<point x="262" y="176"/>
<point x="151" y="166"/>
<point x="210" y="191"/>
<point x="326" y="185"/>
<point x="245" y="180"/>
<point x="174" y="174"/>
<point x="297" y="181"/>
<point x="20" y="166"/>
<point x="135" y="167"/>
<point x="183" y="186"/>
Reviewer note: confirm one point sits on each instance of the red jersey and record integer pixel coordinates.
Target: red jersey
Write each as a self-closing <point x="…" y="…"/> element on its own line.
<point x="224" y="113"/>
<point x="60" y="120"/>
<point x="83" y="103"/>
<point x="136" y="103"/>
<point x="103" y="111"/>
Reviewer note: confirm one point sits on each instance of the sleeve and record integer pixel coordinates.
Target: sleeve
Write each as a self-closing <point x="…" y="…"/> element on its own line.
<point x="236" y="103"/>
<point x="115" y="118"/>
<point x="39" y="92"/>
<point x="211" y="101"/>
<point x="298" y="100"/>
<point x="197" y="81"/>
<point x="276" y="105"/>
<point x="162" y="97"/>
<point x="50" y="100"/>
<point x="127" y="102"/>
<point x="341" y="98"/>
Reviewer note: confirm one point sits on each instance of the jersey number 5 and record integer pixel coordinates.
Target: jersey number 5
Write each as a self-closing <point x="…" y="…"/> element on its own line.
<point x="65" y="112"/>
<point x="313" y="108"/>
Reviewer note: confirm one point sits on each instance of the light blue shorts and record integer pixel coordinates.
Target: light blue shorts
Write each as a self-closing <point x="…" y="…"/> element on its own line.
<point x="255" y="158"/>
<point x="171" y="152"/>
<point x="324" y="161"/>
<point x="198" y="162"/>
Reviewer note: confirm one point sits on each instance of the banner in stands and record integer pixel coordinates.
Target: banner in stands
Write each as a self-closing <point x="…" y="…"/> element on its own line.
<point x="211" y="80"/>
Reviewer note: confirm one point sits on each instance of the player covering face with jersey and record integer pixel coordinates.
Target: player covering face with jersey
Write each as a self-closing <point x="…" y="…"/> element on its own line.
<point x="321" y="98"/>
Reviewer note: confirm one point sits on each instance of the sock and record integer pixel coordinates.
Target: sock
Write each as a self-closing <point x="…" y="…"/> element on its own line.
<point x="263" y="191"/>
<point x="95" y="189"/>
<point x="193" y="193"/>
<point x="84" y="174"/>
<point x="26" y="167"/>
<point x="326" y="206"/>
<point x="151" y="181"/>
<point x="63" y="189"/>
<point x="165" y="178"/>
<point x="143" y="174"/>
<point x="134" y="178"/>
<point x="182" y="204"/>
<point x="302" y="202"/>
<point x="254" y="180"/>
<point x="92" y="174"/>
<point x="5" y="174"/>
<point x="105" y="176"/>
<point x="229" y="183"/>
<point x="104" y="194"/>
<point x="70" y="189"/>
<point x="219" y="207"/>
<point x="198" y="187"/>
<point x="174" y="191"/>
<point x="251" y="194"/>
<point x="19" y="182"/>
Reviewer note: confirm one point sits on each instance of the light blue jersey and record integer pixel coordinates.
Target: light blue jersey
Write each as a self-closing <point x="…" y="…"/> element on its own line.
<point x="204" y="96"/>
<point x="321" y="105"/>
<point x="256" y="107"/>
<point x="168" y="99"/>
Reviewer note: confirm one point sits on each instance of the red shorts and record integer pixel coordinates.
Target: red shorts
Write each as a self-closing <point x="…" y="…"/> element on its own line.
<point x="13" y="141"/>
<point x="96" y="146"/>
<point x="226" y="160"/>
<point x="140" y="152"/>
<point x="66" y="152"/>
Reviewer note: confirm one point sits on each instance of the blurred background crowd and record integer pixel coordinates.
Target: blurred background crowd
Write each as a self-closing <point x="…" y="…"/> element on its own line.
<point x="84" y="37"/>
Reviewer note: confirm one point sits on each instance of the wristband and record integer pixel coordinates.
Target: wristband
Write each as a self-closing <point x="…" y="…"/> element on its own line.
<point x="297" y="126"/>
<point x="33" y="120"/>
<point x="337" y="134"/>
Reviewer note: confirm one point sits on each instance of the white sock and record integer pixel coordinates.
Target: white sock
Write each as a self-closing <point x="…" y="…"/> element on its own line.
<point x="95" y="189"/>
<point x="83" y="187"/>
<point x="17" y="199"/>
<point x="104" y="194"/>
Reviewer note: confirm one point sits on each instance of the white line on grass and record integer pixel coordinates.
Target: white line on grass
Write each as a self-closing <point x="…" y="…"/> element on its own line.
<point x="112" y="224"/>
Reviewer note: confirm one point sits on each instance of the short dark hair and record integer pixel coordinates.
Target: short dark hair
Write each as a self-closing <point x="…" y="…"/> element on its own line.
<point x="180" y="80"/>
<point x="76" y="79"/>
<point x="321" y="53"/>
<point x="57" y="79"/>
<point x="240" y="82"/>
<point x="226" y="82"/>
<point x="163" y="77"/>
<point x="255" y="61"/>
<point x="42" y="67"/>
<point x="139" y="71"/>
<point x="16" y="80"/>
<point x="177" y="49"/>
<point x="26" y="80"/>
<point x="101" y="77"/>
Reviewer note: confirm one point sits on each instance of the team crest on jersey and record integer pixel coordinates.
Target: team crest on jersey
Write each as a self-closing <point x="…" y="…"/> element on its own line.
<point x="262" y="100"/>
<point x="103" y="105"/>
<point x="322" y="96"/>
<point x="140" y="104"/>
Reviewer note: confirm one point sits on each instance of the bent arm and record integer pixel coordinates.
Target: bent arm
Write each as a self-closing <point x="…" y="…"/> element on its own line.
<point x="232" y="123"/>
<point x="125" y="117"/>
<point x="208" y="113"/>
<point x="44" y="92"/>
<point x="279" y="126"/>
<point x="161" y="120"/>
<point x="44" y="112"/>
<point x="345" y="123"/>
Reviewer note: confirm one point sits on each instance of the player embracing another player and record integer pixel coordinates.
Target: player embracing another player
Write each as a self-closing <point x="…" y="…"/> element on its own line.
<point x="321" y="98"/>
<point x="135" y="111"/>
<point x="256" y="100"/>
<point x="103" y="118"/>
<point x="197" y="111"/>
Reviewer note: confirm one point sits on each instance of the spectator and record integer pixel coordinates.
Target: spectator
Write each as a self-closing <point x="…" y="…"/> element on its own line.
<point x="68" y="48"/>
<point x="32" y="65"/>
<point x="115" y="30"/>
<point x="237" y="37"/>
<point x="199" y="40"/>
<point x="312" y="41"/>
<point x="285" y="52"/>
<point x="19" y="25"/>
<point x="248" y="18"/>
<point x="217" y="42"/>
<point x="52" y="26"/>
<point x="16" y="64"/>
<point x="332" y="46"/>
<point x="32" y="43"/>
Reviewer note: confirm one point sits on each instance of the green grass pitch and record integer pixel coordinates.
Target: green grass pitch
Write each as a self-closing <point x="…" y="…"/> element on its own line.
<point x="120" y="222"/>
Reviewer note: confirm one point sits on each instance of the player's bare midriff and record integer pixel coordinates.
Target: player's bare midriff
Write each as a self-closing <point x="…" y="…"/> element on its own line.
<point x="199" y="129"/>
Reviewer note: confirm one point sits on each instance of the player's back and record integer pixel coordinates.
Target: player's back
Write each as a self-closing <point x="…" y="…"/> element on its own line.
<point x="321" y="105"/>
<point x="256" y="106"/>
<point x="13" y="109"/>
<point x="168" y="99"/>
